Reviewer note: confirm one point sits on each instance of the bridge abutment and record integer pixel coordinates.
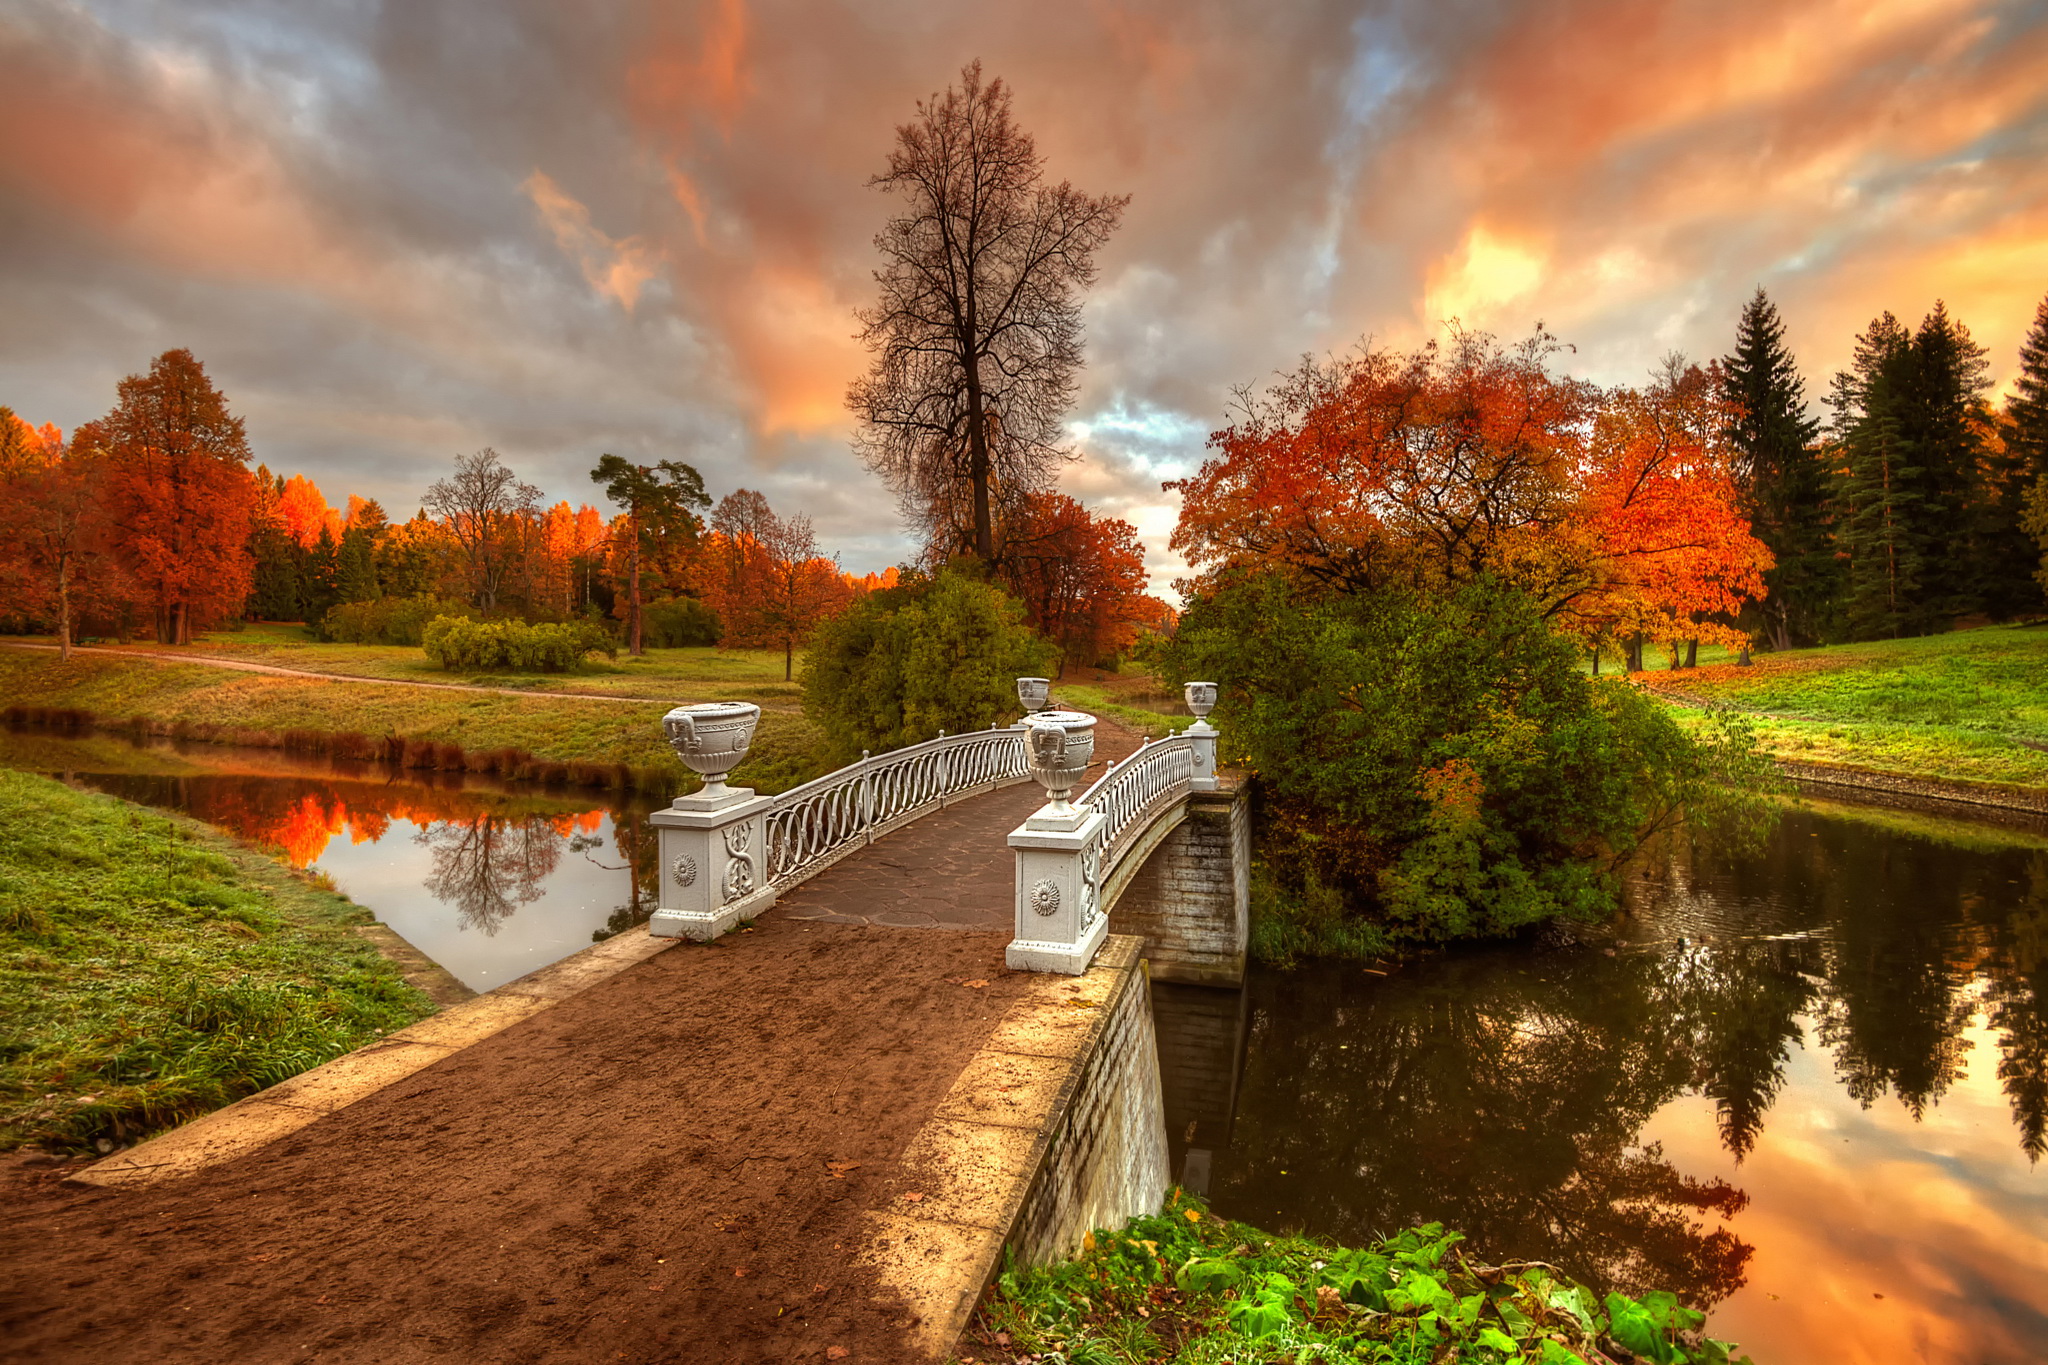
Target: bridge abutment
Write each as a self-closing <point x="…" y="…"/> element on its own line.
<point x="1190" y="900"/>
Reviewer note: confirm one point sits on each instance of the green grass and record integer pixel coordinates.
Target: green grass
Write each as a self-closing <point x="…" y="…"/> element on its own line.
<point x="672" y="676"/>
<point x="1970" y="706"/>
<point x="250" y="706"/>
<point x="1129" y="695"/>
<point x="1195" y="1289"/>
<point x="152" y="970"/>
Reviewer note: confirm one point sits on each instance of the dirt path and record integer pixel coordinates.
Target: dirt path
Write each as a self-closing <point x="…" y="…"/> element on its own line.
<point x="244" y="666"/>
<point x="644" y="1172"/>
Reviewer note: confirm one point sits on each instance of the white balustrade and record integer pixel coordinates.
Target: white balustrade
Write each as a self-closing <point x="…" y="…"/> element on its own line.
<point x="811" y="827"/>
<point x="1067" y="853"/>
<point x="1157" y="776"/>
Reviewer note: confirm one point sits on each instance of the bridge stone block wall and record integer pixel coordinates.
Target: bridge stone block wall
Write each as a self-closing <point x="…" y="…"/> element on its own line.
<point x="1191" y="901"/>
<point x="1107" y="1159"/>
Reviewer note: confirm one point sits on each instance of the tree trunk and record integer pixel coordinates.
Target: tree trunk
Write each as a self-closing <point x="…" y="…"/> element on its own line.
<point x="1635" y="653"/>
<point x="1692" y="653"/>
<point x="977" y="438"/>
<point x="788" y="657"/>
<point x="633" y="588"/>
<point x="63" y="609"/>
<point x="1596" y="663"/>
<point x="1742" y="658"/>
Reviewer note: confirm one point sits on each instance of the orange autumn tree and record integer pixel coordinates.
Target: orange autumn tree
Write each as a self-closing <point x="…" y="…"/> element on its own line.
<point x="1670" y="550"/>
<point x="178" y="493"/>
<point x="54" y="551"/>
<point x="1388" y="467"/>
<point x="304" y="512"/>
<point x="1080" y="577"/>
<point x="1615" y="512"/>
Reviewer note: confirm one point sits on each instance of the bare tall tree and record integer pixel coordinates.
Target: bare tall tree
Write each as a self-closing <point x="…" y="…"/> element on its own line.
<point x="482" y="505"/>
<point x="977" y="333"/>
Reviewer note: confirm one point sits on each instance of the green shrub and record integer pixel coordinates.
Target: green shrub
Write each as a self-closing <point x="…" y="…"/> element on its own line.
<point x="1233" y="1292"/>
<point x="388" y="620"/>
<point x="678" y="623"/>
<point x="1441" y="763"/>
<point x="904" y="663"/>
<point x="480" y="646"/>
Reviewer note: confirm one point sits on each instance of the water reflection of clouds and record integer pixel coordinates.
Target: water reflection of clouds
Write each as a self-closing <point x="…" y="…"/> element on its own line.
<point x="1819" y="1074"/>
<point x="560" y="911"/>
<point x="1848" y="1203"/>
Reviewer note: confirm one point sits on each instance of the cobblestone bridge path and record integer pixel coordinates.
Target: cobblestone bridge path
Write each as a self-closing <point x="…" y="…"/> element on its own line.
<point x="673" y="1165"/>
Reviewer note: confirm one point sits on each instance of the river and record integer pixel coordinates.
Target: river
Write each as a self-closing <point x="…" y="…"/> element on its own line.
<point x="1807" y="1089"/>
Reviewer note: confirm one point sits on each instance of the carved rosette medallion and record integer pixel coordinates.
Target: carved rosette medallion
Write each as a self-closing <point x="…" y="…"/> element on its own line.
<point x="684" y="870"/>
<point x="1045" y="897"/>
<point x="739" y="867"/>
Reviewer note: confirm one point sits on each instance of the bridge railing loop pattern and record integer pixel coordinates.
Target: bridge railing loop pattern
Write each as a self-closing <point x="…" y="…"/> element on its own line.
<point x="812" y="826"/>
<point x="1132" y="791"/>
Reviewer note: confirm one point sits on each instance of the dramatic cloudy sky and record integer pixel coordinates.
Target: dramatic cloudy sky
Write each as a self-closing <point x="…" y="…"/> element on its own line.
<point x="399" y="231"/>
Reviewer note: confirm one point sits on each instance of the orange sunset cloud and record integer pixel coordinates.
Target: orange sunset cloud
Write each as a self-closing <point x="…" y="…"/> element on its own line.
<point x="405" y="232"/>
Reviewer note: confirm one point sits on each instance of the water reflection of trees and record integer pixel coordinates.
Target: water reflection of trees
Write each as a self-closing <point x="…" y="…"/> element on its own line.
<point x="492" y="850"/>
<point x="1505" y="1092"/>
<point x="1505" y="1101"/>
<point x="487" y="866"/>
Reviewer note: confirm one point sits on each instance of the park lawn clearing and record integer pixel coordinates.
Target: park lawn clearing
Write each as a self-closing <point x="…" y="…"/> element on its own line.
<point x="672" y="676"/>
<point x="1128" y="695"/>
<point x="1971" y="706"/>
<point x="152" y="970"/>
<point x="623" y="737"/>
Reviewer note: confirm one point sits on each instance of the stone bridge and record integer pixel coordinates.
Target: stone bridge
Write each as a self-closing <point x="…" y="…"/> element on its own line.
<point x="1157" y="847"/>
<point x="883" y="1158"/>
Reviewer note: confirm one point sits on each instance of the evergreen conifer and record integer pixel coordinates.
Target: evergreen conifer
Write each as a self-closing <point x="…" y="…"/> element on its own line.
<point x="1878" y="484"/>
<point x="1783" y="477"/>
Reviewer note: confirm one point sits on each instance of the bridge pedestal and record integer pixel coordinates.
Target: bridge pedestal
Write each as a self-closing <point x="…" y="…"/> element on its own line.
<point x="1060" y="923"/>
<point x="713" y="864"/>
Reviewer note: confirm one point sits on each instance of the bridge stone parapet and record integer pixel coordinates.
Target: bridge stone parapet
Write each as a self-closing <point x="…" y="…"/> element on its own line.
<point x="1190" y="898"/>
<point x="727" y="853"/>
<point x="1159" y="834"/>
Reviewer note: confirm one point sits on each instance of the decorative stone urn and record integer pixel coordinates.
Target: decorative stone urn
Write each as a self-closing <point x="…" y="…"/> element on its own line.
<point x="1034" y="693"/>
<point x="712" y="737"/>
<point x="1062" y="742"/>
<point x="1201" y="699"/>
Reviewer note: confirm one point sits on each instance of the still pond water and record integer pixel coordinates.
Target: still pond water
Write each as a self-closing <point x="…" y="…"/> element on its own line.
<point x="1807" y="1089"/>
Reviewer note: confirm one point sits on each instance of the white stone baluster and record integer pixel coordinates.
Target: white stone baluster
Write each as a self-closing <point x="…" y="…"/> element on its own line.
<point x="1059" y="854"/>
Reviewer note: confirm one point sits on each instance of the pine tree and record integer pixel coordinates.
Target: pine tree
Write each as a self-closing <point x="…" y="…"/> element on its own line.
<point x="1781" y="473"/>
<point x="1944" y="421"/>
<point x="2013" y="565"/>
<point x="1878" y="484"/>
<point x="274" y="582"/>
<point x="322" y="587"/>
<point x="355" y="570"/>
<point x="2028" y="407"/>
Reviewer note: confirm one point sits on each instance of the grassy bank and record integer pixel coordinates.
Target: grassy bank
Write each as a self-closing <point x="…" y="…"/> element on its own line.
<point x="152" y="970"/>
<point x="1970" y="706"/>
<point x="672" y="676"/>
<point x="605" y="743"/>
<point x="1193" y="1288"/>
